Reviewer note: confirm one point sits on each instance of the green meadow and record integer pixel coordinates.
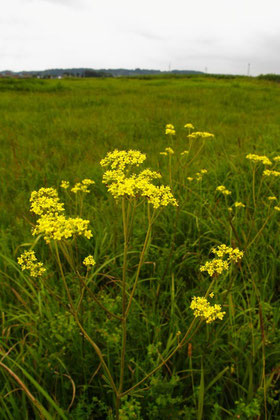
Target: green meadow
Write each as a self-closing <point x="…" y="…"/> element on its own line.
<point x="119" y="340"/>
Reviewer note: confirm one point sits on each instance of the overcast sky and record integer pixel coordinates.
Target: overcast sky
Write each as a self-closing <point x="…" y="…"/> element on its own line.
<point x="220" y="35"/>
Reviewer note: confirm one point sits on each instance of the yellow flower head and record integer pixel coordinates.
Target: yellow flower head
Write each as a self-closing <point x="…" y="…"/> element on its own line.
<point x="64" y="184"/>
<point x="257" y="159"/>
<point x="223" y="190"/>
<point x="233" y="254"/>
<point x="89" y="261"/>
<point x="267" y="172"/>
<point x="169" y="150"/>
<point x="185" y="152"/>
<point x="138" y="186"/>
<point x="189" y="125"/>
<point x="277" y="208"/>
<point x="239" y="204"/>
<point x="202" y="308"/>
<point x="163" y="153"/>
<point x="28" y="261"/>
<point x="82" y="186"/>
<point x="201" y="135"/>
<point x="170" y="132"/>
<point x="46" y="201"/>
<point x="120" y="159"/>
<point x="272" y="198"/>
<point x="224" y="255"/>
<point x="276" y="158"/>
<point x="58" y="227"/>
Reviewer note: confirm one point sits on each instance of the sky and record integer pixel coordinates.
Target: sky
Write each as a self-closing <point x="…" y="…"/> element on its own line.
<point x="217" y="36"/>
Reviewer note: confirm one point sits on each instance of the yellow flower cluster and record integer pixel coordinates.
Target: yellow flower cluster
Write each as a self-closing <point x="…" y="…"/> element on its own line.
<point x="200" y="174"/>
<point x="215" y="266"/>
<point x="52" y="223"/>
<point x="120" y="159"/>
<point x="233" y="254"/>
<point x="189" y="125"/>
<point x="267" y="172"/>
<point x="239" y="204"/>
<point x="82" y="186"/>
<point x="169" y="150"/>
<point x="45" y="200"/>
<point x="223" y="190"/>
<point x="218" y="264"/>
<point x="28" y="261"/>
<point x="185" y="152"/>
<point x="200" y="134"/>
<point x="202" y="308"/>
<point x="277" y="208"/>
<point x="272" y="198"/>
<point x="59" y="227"/>
<point x="257" y="159"/>
<point x="89" y="261"/>
<point x="137" y="186"/>
<point x="170" y="129"/>
<point x="65" y="184"/>
<point x="276" y="158"/>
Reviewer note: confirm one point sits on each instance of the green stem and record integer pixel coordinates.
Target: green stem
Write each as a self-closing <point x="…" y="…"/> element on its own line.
<point x="88" y="338"/>
<point x="125" y="233"/>
<point x="254" y="186"/>
<point x="197" y="153"/>
<point x="179" y="346"/>
<point x="170" y="169"/>
<point x="97" y="301"/>
<point x="141" y="260"/>
<point x="259" y="232"/>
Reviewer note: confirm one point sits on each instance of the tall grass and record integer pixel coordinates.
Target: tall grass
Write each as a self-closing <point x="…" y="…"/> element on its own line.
<point x="51" y="132"/>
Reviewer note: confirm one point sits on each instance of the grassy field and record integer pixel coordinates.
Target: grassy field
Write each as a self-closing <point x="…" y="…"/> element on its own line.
<point x="61" y="352"/>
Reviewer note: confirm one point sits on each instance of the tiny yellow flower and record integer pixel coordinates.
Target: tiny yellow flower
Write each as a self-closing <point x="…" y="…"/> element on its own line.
<point x="169" y="150"/>
<point x="89" y="261"/>
<point x="239" y="204"/>
<point x="185" y="152"/>
<point x="267" y="172"/>
<point x="200" y="134"/>
<point x="170" y="131"/>
<point x="189" y="125"/>
<point x="163" y="153"/>
<point x="257" y="158"/>
<point x="189" y="178"/>
<point x="277" y="208"/>
<point x="223" y="190"/>
<point x="64" y="184"/>
<point x="211" y="295"/>
<point x="272" y="198"/>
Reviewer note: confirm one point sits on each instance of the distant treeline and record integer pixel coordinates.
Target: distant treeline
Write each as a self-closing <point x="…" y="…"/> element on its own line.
<point x="272" y="77"/>
<point x="85" y="72"/>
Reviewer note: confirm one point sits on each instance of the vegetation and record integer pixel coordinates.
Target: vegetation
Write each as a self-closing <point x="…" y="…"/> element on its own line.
<point x="116" y="302"/>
